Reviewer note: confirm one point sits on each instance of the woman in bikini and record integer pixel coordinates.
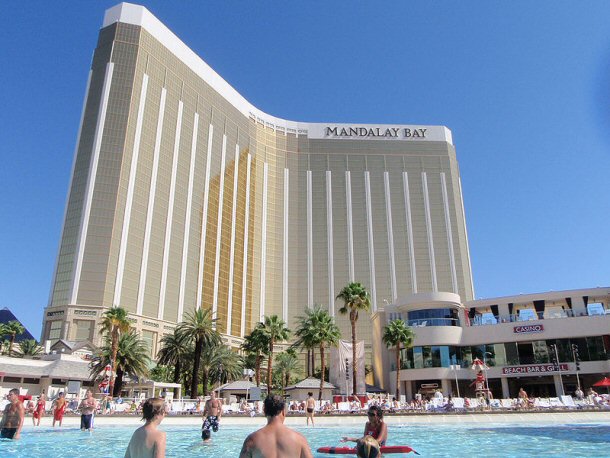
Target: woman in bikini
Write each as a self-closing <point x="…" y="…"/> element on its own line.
<point x="375" y="427"/>
<point x="39" y="410"/>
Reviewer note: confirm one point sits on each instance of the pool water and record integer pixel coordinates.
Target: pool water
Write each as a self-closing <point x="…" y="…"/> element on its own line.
<point x="501" y="440"/>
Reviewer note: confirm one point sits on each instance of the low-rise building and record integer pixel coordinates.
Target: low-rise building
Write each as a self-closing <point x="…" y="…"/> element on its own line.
<point x="547" y="343"/>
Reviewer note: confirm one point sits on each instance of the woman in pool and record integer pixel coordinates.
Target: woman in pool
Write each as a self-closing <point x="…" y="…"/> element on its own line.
<point x="147" y="441"/>
<point x="375" y="427"/>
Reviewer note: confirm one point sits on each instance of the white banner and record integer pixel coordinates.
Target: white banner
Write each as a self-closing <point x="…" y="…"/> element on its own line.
<point x="338" y="358"/>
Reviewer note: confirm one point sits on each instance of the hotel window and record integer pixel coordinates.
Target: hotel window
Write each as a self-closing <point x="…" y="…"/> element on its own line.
<point x="541" y="354"/>
<point x="83" y="329"/>
<point x="418" y="360"/>
<point x="512" y="355"/>
<point x="596" y="308"/>
<point x="150" y="339"/>
<point x="55" y="330"/>
<point x="527" y="314"/>
<point x="595" y="345"/>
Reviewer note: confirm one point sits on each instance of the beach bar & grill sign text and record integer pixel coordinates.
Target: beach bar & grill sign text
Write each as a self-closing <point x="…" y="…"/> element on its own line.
<point x="534" y="369"/>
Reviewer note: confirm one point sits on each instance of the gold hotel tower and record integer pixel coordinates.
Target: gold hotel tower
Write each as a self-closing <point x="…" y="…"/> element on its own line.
<point x="185" y="195"/>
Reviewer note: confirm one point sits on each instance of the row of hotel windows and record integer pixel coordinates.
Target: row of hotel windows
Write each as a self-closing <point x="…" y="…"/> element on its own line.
<point x="505" y="354"/>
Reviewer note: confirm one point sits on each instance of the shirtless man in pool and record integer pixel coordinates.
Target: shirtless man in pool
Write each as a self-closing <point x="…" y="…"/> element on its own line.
<point x="12" y="419"/>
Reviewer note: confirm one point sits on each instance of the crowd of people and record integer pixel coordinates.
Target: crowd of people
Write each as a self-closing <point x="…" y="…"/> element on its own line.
<point x="274" y="439"/>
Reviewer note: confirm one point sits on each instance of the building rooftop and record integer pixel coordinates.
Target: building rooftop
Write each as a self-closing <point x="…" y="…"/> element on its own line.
<point x="6" y="315"/>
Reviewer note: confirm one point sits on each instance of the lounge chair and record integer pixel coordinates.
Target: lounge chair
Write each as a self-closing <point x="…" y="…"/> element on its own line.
<point x="556" y="403"/>
<point x="568" y="402"/>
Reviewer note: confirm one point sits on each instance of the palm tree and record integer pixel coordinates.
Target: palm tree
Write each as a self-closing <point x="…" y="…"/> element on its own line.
<point x="199" y="327"/>
<point x="3" y="342"/>
<point x="306" y="339"/>
<point x="287" y="364"/>
<point x="276" y="331"/>
<point x="355" y="298"/>
<point x="131" y="358"/>
<point x="256" y="344"/>
<point x="326" y="333"/>
<point x="220" y="364"/>
<point x="12" y="329"/>
<point x="29" y="348"/>
<point x="114" y="324"/>
<point x="394" y="334"/>
<point x="174" y="349"/>
<point x="318" y="329"/>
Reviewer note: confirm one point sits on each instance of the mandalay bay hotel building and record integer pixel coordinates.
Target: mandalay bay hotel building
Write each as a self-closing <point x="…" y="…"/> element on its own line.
<point x="185" y="195"/>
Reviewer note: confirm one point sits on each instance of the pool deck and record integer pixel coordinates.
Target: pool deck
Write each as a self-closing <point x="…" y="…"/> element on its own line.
<point x="340" y="420"/>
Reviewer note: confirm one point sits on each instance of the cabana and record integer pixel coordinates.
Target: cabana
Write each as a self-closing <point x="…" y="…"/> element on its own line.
<point x="298" y="391"/>
<point x="240" y="389"/>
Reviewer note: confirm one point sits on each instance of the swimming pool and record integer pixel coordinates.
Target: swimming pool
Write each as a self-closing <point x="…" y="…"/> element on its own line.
<point x="498" y="440"/>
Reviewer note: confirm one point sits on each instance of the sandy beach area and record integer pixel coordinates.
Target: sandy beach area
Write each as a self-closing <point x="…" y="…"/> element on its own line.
<point x="324" y="420"/>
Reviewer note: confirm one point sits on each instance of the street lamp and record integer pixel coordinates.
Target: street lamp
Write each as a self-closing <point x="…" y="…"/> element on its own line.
<point x="455" y="368"/>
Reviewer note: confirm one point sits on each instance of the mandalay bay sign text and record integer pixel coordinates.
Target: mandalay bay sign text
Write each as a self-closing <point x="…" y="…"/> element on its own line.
<point x="375" y="132"/>
<point x="379" y="132"/>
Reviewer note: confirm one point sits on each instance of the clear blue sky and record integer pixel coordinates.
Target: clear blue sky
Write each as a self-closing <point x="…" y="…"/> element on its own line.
<point x="524" y="86"/>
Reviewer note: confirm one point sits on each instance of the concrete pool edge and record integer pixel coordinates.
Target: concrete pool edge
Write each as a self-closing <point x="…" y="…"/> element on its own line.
<point x="421" y="419"/>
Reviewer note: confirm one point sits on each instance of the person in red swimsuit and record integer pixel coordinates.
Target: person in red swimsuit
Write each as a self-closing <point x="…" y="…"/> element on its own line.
<point x="375" y="427"/>
<point x="59" y="407"/>
<point x="39" y="409"/>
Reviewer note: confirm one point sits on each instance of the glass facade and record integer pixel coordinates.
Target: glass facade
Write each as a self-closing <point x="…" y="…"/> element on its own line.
<point x="503" y="354"/>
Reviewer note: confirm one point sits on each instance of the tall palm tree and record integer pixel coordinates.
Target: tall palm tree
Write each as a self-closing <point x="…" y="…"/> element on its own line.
<point x="355" y="298"/>
<point x="327" y="333"/>
<point x="318" y="329"/>
<point x="199" y="327"/>
<point x="131" y="358"/>
<point x="256" y="344"/>
<point x="394" y="334"/>
<point x="114" y="324"/>
<point x="306" y="339"/>
<point x="174" y="349"/>
<point x="12" y="329"/>
<point x="277" y="332"/>
<point x="287" y="363"/>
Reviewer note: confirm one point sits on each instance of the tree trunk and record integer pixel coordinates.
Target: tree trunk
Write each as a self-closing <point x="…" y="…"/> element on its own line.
<point x="196" y="364"/>
<point x="308" y="362"/>
<point x="10" y="345"/>
<point x="322" y="366"/>
<point x="398" y="370"/>
<point x="354" y="384"/>
<point x="270" y="367"/>
<point x="313" y="361"/>
<point x="115" y="349"/>
<point x="176" y="377"/>
<point x="204" y="382"/>
<point x="118" y="386"/>
<point x="257" y="369"/>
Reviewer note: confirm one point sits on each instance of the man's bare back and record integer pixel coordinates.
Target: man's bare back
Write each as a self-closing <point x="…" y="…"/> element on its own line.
<point x="275" y="440"/>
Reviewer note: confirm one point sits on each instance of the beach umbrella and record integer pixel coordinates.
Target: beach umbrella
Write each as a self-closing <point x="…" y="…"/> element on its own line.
<point x="478" y="365"/>
<point x="604" y="382"/>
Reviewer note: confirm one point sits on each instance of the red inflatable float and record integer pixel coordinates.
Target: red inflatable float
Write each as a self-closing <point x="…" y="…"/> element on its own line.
<point x="352" y="450"/>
